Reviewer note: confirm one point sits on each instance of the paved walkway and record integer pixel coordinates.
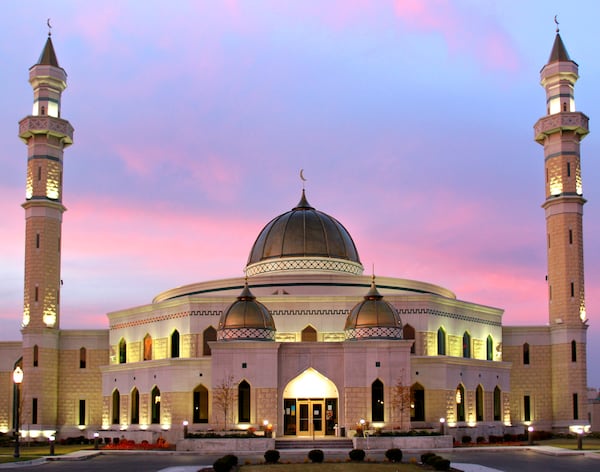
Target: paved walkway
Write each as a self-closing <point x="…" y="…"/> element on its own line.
<point x="299" y="455"/>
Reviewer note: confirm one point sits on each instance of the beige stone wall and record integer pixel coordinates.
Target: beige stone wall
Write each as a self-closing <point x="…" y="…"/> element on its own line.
<point x="265" y="406"/>
<point x="81" y="384"/>
<point x="429" y="343"/>
<point x="357" y="401"/>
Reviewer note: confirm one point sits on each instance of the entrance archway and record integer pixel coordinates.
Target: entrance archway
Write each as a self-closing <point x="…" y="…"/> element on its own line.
<point x="310" y="405"/>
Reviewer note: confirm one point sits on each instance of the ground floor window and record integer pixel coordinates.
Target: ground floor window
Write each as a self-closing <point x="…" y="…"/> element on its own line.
<point x="526" y="408"/>
<point x="135" y="406"/>
<point x="155" y="407"/>
<point x="497" y="404"/>
<point x="200" y="404"/>
<point x="479" y="403"/>
<point x="417" y="403"/>
<point x="377" y="410"/>
<point x="116" y="407"/>
<point x="81" y="412"/>
<point x="460" y="403"/>
<point x="244" y="402"/>
<point x="575" y="407"/>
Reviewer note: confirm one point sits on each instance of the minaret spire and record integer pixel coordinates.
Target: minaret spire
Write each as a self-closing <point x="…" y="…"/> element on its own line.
<point x="560" y="132"/>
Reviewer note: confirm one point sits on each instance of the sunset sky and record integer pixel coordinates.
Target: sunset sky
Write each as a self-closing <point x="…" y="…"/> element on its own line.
<point x="413" y="122"/>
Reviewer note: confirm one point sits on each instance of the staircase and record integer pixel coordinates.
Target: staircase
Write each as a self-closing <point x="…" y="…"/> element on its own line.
<point x="342" y="443"/>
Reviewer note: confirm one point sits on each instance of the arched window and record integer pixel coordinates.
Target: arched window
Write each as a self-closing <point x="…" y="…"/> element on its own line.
<point x="36" y="354"/>
<point x="489" y="348"/>
<point x="408" y="332"/>
<point x="573" y="351"/>
<point x="309" y="334"/>
<point x="135" y="406"/>
<point x="116" y="407"/>
<point x="417" y="402"/>
<point x="497" y="404"/>
<point x="526" y="354"/>
<point x="155" y="406"/>
<point x="175" y="344"/>
<point x="441" y="342"/>
<point x="244" y="402"/>
<point x="460" y="403"/>
<point x="479" y="403"/>
<point x="377" y="410"/>
<point x="147" y="347"/>
<point x="466" y="345"/>
<point x="200" y="404"/>
<point x="209" y="335"/>
<point x="122" y="351"/>
<point x="82" y="358"/>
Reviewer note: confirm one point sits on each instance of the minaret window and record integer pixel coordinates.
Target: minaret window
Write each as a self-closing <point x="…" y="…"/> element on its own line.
<point x="526" y="408"/>
<point x="568" y="169"/>
<point x="35" y="355"/>
<point x="573" y="351"/>
<point x="570" y="236"/>
<point x="81" y="412"/>
<point x="37" y="241"/>
<point x="36" y="295"/>
<point x="575" y="406"/>
<point x="43" y="110"/>
<point x="526" y="354"/>
<point x="34" y="410"/>
<point x="564" y="106"/>
<point x="39" y="173"/>
<point x="572" y="289"/>
<point x="82" y="358"/>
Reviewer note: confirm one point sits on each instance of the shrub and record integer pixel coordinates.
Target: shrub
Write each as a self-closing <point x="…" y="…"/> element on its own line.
<point x="466" y="439"/>
<point x="495" y="439"/>
<point x="441" y="464"/>
<point x="394" y="455"/>
<point x="480" y="439"/>
<point x="225" y="463"/>
<point x="316" y="455"/>
<point x="426" y="457"/>
<point x="272" y="456"/>
<point x="357" y="455"/>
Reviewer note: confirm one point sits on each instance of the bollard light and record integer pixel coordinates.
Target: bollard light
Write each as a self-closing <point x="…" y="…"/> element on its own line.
<point x="51" y="439"/>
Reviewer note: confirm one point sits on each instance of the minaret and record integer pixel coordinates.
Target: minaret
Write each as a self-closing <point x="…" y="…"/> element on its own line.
<point x="46" y="135"/>
<point x="560" y="132"/>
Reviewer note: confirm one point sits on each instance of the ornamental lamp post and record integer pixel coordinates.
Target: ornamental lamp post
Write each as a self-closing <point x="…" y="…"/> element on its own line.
<point x="18" y="380"/>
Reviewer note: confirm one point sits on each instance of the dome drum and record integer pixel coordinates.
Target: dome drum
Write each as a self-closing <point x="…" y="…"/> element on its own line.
<point x="373" y="332"/>
<point x="246" y="334"/>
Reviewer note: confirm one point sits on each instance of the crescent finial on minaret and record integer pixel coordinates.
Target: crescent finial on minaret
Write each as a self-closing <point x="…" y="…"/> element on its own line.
<point x="49" y="27"/>
<point x="556" y="21"/>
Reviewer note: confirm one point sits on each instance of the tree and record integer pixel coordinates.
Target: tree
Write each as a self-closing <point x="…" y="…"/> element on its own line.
<point x="223" y="397"/>
<point x="401" y="401"/>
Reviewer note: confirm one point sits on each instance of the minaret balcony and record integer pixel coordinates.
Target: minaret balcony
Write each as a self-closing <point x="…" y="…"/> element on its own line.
<point x="32" y="125"/>
<point x="565" y="121"/>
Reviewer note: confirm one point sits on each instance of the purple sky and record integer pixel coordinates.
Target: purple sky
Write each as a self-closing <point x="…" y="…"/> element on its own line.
<point x="412" y="121"/>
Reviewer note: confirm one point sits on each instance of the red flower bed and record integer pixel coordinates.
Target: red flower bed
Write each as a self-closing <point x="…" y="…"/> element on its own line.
<point x="127" y="444"/>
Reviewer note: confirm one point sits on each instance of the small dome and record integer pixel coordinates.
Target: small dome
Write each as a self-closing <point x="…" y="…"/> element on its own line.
<point x="246" y="319"/>
<point x="304" y="239"/>
<point x="373" y="318"/>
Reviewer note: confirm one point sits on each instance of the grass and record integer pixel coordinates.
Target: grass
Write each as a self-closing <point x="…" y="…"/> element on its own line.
<point x="334" y="467"/>
<point x="30" y="452"/>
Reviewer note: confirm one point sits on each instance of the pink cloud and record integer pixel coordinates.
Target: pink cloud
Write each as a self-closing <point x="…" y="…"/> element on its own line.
<point x="463" y="31"/>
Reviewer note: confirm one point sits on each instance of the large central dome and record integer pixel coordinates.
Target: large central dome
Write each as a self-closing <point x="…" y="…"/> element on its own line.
<point x="304" y="240"/>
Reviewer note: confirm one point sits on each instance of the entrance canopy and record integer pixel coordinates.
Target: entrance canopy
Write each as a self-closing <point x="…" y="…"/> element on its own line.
<point x="310" y="384"/>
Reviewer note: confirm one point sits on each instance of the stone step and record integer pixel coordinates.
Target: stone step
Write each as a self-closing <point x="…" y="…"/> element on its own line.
<point x="313" y="444"/>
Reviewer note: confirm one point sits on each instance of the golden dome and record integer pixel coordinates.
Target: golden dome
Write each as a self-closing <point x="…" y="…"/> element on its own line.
<point x="373" y="318"/>
<point x="246" y="319"/>
<point x="304" y="239"/>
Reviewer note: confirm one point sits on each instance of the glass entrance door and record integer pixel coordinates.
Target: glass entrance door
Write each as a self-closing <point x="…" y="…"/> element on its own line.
<point x="310" y="418"/>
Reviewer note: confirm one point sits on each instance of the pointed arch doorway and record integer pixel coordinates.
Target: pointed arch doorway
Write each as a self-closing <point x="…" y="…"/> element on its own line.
<point x="310" y="405"/>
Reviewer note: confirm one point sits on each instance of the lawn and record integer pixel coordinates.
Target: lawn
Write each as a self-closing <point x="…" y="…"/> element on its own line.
<point x="334" y="467"/>
<point x="35" y="452"/>
<point x="587" y="443"/>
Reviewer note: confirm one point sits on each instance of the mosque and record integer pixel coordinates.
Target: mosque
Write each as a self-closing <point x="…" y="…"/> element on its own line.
<point x="304" y="343"/>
